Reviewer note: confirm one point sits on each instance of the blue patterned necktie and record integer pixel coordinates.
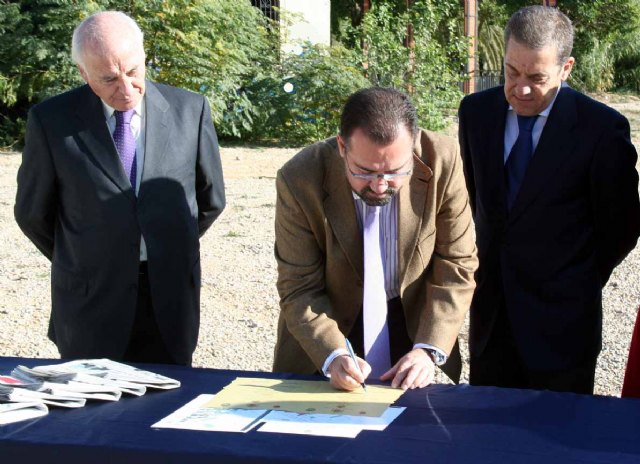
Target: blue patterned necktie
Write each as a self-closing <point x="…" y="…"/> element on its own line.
<point x="519" y="158"/>
<point x="126" y="144"/>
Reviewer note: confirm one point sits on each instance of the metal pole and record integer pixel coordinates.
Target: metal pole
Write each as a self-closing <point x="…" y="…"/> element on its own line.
<point x="410" y="43"/>
<point x="470" y="30"/>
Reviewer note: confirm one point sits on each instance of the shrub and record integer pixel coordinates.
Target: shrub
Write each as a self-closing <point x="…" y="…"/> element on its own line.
<point x="321" y="78"/>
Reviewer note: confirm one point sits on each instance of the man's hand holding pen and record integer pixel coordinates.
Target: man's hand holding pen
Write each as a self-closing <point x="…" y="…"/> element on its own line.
<point x="345" y="374"/>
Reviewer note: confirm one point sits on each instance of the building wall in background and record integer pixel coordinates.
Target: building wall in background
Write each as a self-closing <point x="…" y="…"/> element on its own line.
<point x="304" y="20"/>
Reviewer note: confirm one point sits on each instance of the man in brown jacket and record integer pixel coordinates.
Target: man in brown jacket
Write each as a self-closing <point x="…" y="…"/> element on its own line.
<point x="382" y="161"/>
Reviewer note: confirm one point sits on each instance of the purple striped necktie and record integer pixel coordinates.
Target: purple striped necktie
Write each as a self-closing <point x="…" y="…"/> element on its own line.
<point x="374" y="301"/>
<point x="126" y="144"/>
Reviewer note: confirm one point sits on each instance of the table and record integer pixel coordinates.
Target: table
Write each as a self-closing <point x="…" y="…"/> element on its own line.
<point x="442" y="424"/>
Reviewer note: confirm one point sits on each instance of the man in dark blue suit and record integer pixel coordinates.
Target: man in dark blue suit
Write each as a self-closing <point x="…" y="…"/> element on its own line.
<point x="554" y="193"/>
<point x="119" y="179"/>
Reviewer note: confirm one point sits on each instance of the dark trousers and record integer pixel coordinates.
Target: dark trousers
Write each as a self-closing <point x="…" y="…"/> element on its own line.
<point x="399" y="341"/>
<point x="501" y="365"/>
<point x="146" y="344"/>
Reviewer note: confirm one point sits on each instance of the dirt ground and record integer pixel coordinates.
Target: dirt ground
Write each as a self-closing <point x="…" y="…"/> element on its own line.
<point x="239" y="299"/>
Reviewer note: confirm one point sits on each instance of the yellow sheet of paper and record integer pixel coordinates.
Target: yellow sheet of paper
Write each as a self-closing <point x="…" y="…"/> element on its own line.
<point x="304" y="397"/>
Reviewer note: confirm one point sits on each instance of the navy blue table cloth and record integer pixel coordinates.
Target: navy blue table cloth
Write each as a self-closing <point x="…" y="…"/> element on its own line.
<point x="442" y="424"/>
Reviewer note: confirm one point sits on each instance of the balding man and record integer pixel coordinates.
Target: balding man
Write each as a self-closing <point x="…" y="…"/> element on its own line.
<point x="119" y="179"/>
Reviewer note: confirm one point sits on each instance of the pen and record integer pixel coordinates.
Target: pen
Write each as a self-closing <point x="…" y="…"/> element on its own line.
<point x="353" y="357"/>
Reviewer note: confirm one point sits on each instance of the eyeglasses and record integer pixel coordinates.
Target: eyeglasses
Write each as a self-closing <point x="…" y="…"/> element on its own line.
<point x="375" y="176"/>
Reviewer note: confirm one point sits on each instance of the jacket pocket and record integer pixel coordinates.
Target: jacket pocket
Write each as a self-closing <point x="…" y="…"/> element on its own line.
<point x="69" y="281"/>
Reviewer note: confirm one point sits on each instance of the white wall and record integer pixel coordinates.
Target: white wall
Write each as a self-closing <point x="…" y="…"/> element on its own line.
<point x="310" y="21"/>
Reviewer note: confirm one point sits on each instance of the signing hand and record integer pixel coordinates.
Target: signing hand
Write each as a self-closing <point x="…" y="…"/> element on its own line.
<point x="345" y="375"/>
<point x="414" y="370"/>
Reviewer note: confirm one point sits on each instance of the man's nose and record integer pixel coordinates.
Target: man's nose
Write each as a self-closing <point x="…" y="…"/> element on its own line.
<point x="126" y="86"/>
<point x="523" y="90"/>
<point x="379" y="185"/>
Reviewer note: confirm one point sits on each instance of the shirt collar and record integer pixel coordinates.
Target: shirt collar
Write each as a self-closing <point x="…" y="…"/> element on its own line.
<point x="108" y="111"/>
<point x="545" y="113"/>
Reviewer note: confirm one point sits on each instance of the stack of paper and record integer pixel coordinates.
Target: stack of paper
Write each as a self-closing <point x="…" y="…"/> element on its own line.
<point x="25" y="393"/>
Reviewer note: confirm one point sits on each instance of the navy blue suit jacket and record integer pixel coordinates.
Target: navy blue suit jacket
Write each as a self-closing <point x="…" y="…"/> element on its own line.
<point x="576" y="217"/>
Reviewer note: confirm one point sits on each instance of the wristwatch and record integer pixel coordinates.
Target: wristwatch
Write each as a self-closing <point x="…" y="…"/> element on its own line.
<point x="438" y="358"/>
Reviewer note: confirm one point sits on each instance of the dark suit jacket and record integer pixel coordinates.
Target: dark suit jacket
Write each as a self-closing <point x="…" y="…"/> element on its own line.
<point x="319" y="252"/>
<point x="576" y="217"/>
<point x="77" y="206"/>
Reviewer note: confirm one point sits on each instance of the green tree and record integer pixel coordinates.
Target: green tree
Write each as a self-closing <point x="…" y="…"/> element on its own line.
<point x="214" y="47"/>
<point x="35" y="58"/>
<point x="318" y="82"/>
<point x="604" y="31"/>
<point x="431" y="68"/>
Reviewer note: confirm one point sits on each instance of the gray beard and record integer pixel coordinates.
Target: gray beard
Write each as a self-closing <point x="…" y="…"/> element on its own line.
<point x="376" y="201"/>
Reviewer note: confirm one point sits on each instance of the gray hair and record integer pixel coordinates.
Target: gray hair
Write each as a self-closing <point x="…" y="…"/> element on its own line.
<point x="378" y="112"/>
<point x="91" y="31"/>
<point x="538" y="26"/>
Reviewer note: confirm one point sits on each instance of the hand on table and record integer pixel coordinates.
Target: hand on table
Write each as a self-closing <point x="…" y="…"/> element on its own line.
<point x="414" y="370"/>
<point x="345" y="374"/>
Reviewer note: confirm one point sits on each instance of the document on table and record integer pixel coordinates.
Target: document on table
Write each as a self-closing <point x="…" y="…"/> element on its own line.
<point x="326" y="425"/>
<point x="196" y="415"/>
<point x="304" y="397"/>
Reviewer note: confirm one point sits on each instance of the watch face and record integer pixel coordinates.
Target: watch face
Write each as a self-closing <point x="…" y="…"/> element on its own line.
<point x="437" y="358"/>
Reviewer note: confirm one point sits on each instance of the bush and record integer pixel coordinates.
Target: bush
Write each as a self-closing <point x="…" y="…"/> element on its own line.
<point x="626" y="52"/>
<point x="189" y="43"/>
<point x="321" y="78"/>
<point x="35" y="58"/>
<point x="594" y="68"/>
<point x="432" y="69"/>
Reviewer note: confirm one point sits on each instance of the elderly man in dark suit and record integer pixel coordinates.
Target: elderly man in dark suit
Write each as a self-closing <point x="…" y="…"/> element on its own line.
<point x="554" y="192"/>
<point x="119" y="179"/>
<point x="374" y="242"/>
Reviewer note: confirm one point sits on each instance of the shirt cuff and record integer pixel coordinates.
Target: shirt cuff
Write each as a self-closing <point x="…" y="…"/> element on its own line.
<point x="441" y="356"/>
<point x="334" y="354"/>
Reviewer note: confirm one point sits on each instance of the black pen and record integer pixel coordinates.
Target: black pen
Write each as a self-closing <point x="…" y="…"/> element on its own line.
<point x="353" y="356"/>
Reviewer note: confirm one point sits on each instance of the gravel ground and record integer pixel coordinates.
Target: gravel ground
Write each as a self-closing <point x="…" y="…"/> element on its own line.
<point x="239" y="299"/>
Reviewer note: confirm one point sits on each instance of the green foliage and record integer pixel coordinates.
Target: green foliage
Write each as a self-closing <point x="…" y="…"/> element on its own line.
<point x="626" y="53"/>
<point x="492" y="18"/>
<point x="35" y="58"/>
<point x="189" y="43"/>
<point x="322" y="79"/>
<point x="595" y="72"/>
<point x="209" y="46"/>
<point x="599" y="24"/>
<point x="431" y="69"/>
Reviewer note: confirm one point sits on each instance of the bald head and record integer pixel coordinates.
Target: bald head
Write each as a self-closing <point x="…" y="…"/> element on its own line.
<point x="105" y="30"/>
<point x="108" y="48"/>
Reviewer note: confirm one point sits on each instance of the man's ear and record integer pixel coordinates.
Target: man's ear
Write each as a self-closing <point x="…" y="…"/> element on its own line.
<point x="342" y="147"/>
<point x="567" y="67"/>
<point x="83" y="73"/>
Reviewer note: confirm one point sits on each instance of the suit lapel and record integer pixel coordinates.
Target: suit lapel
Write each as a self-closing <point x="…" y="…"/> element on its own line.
<point x="411" y="204"/>
<point x="496" y="199"/>
<point x="340" y="213"/>
<point x="94" y="133"/>
<point x="554" y="148"/>
<point x="157" y="128"/>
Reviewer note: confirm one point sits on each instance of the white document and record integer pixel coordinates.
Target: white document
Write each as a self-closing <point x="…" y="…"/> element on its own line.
<point x="15" y="412"/>
<point x="195" y="416"/>
<point x="326" y="425"/>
